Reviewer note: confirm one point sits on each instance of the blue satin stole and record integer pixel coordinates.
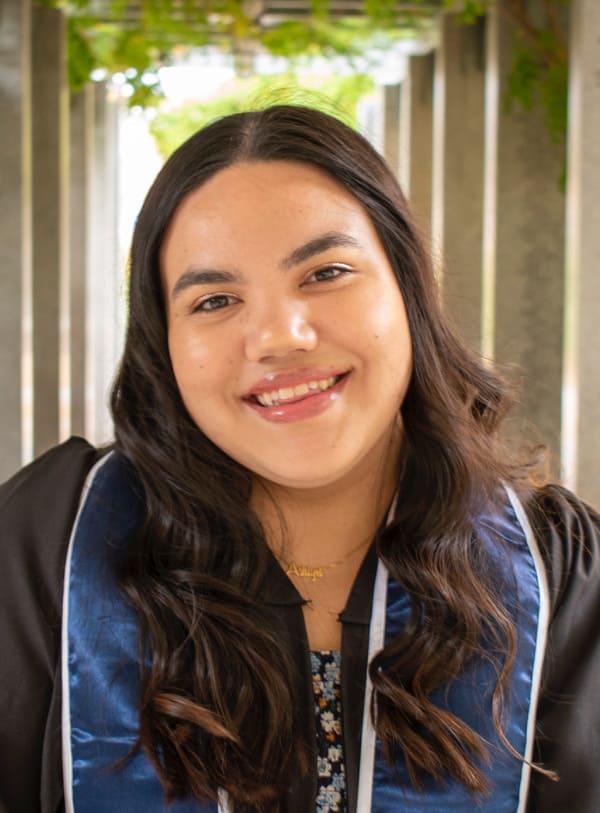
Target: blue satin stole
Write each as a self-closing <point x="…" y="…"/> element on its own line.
<point x="512" y="545"/>
<point x="101" y="679"/>
<point x="101" y="674"/>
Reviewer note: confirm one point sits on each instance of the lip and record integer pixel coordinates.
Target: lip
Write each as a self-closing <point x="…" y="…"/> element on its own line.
<point x="308" y="406"/>
<point x="292" y="378"/>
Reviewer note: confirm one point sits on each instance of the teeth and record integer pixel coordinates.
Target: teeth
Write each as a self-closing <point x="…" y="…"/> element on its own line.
<point x="275" y="397"/>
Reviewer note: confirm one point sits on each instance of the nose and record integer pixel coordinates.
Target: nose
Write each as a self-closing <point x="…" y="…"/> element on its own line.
<point x="275" y="328"/>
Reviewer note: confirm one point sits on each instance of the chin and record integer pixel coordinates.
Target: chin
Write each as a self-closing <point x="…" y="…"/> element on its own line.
<point x="305" y="480"/>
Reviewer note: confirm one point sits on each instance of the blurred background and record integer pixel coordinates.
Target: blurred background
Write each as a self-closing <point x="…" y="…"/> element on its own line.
<point x="487" y="110"/>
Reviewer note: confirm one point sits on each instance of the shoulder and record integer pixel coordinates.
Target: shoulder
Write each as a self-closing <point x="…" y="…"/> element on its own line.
<point x="62" y="468"/>
<point x="568" y="532"/>
<point x="37" y="508"/>
<point x="568" y="716"/>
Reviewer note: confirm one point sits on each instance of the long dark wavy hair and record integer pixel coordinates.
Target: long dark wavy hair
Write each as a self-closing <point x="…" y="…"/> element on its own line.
<point x="217" y="701"/>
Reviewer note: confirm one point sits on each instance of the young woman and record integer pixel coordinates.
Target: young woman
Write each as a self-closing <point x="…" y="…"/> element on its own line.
<point x="306" y="577"/>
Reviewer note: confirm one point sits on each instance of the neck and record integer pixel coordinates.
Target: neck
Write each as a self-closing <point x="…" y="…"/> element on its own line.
<point x="318" y="526"/>
<point x="320" y="536"/>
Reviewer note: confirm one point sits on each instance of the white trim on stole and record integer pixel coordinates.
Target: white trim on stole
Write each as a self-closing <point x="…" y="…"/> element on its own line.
<point x="67" y="757"/>
<point x="540" y="644"/>
<point x="368" y="741"/>
<point x="376" y="641"/>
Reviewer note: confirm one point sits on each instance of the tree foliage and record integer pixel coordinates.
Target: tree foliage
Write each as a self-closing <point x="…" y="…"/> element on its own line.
<point x="338" y="96"/>
<point x="109" y="35"/>
<point x="118" y="40"/>
<point x="540" y="66"/>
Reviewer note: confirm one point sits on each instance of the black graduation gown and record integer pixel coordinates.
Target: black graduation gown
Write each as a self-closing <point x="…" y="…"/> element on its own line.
<point x="38" y="507"/>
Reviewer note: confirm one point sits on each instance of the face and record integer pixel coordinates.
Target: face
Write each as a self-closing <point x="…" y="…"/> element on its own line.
<point x="287" y="330"/>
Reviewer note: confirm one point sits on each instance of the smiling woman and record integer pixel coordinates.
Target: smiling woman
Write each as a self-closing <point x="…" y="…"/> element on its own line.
<point x="300" y="322"/>
<point x="306" y="576"/>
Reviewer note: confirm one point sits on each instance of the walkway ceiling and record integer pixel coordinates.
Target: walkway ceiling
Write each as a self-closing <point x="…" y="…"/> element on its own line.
<point x="264" y="13"/>
<point x="247" y="27"/>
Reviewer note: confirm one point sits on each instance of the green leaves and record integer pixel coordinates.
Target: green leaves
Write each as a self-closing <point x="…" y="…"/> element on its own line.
<point x="338" y="96"/>
<point x="468" y="11"/>
<point x="524" y="76"/>
<point x="119" y="40"/>
<point x="81" y="57"/>
<point x="554" y="92"/>
<point x="540" y="75"/>
<point x="114" y="37"/>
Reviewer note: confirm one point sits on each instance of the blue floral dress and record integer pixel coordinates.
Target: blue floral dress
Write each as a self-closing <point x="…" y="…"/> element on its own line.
<point x="331" y="788"/>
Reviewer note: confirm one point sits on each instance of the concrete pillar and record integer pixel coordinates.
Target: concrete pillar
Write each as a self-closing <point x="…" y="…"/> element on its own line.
<point x="370" y="116"/>
<point x="50" y="226"/>
<point x="15" y="236"/>
<point x="391" y="133"/>
<point x="581" y="393"/>
<point x="416" y="137"/>
<point x="525" y="264"/>
<point x="115" y="273"/>
<point x="104" y="313"/>
<point x="457" y="205"/>
<point x="80" y="157"/>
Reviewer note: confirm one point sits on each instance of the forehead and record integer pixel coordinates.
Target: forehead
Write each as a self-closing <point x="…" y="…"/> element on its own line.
<point x="251" y="197"/>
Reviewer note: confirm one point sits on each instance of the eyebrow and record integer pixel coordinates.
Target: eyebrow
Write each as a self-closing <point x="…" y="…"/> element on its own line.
<point x="332" y="239"/>
<point x="202" y="276"/>
<point x="211" y="276"/>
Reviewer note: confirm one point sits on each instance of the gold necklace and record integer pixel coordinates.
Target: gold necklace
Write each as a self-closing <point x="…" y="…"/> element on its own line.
<point x="315" y="572"/>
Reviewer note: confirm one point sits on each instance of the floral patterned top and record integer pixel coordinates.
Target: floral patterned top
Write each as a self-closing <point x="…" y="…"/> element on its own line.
<point x="331" y="788"/>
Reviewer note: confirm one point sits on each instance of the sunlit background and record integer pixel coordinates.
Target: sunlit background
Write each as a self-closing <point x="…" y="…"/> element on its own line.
<point x="488" y="111"/>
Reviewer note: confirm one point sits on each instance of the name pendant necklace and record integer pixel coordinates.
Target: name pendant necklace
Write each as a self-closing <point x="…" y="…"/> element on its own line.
<point x="314" y="572"/>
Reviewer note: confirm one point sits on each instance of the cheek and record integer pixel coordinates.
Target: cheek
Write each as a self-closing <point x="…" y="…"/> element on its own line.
<point x="202" y="369"/>
<point x="388" y="322"/>
<point x="190" y="359"/>
<point x="391" y="342"/>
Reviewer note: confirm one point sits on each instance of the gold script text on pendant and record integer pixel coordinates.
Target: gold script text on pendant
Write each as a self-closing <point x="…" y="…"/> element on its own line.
<point x="313" y="573"/>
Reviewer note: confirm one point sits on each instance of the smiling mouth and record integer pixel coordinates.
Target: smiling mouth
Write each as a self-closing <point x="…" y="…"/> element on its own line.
<point x="288" y="395"/>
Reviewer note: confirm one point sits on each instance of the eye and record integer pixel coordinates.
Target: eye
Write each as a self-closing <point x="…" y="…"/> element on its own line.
<point x="214" y="302"/>
<point x="328" y="272"/>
